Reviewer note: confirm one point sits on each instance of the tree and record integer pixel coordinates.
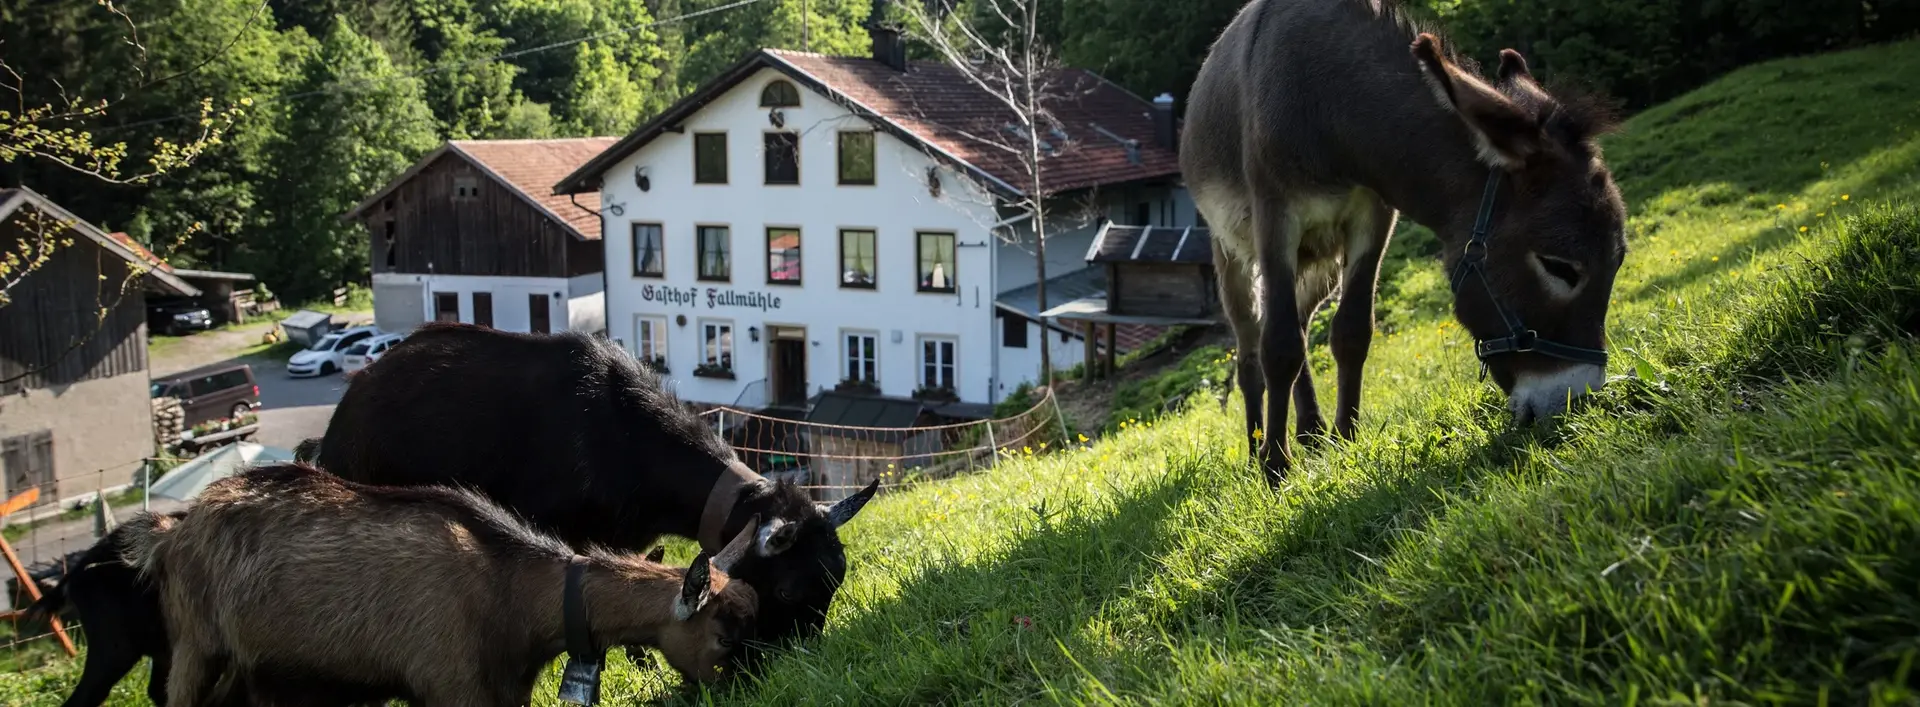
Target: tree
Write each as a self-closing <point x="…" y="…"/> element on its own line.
<point x="604" y="100"/>
<point x="1000" y="51"/>
<point x="357" y="125"/>
<point x="49" y="128"/>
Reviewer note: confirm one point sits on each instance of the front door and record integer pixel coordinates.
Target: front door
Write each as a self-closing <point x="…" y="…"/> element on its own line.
<point x="789" y="374"/>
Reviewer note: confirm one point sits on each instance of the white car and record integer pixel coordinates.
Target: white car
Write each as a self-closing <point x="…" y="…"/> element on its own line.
<point x="328" y="355"/>
<point x="363" y="354"/>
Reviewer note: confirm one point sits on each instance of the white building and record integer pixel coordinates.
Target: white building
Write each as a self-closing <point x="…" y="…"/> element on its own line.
<point x="473" y="233"/>
<point x="805" y="221"/>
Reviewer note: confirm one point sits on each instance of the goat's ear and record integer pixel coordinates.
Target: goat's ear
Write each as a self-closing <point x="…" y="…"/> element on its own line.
<point x="776" y="537"/>
<point x="1505" y="135"/>
<point x="1513" y="66"/>
<point x="735" y="551"/>
<point x="695" y="589"/>
<point x="657" y="554"/>
<point x="845" y="509"/>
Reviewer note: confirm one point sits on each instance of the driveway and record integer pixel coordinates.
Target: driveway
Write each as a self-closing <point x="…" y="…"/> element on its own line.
<point x="293" y="409"/>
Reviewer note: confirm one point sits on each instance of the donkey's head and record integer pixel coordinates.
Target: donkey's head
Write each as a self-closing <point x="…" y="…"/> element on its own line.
<point x="1532" y="276"/>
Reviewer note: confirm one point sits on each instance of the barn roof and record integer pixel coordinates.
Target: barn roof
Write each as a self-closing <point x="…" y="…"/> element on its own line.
<point x="1107" y="134"/>
<point x="1151" y="244"/>
<point x="12" y="200"/>
<point x="528" y="168"/>
<point x="1080" y="284"/>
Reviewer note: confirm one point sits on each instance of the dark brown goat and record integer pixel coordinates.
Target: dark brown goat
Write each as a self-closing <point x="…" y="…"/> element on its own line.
<point x="1314" y="123"/>
<point x="291" y="575"/>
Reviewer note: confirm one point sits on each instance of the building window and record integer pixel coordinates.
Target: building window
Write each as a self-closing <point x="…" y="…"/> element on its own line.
<point x="716" y="243"/>
<point x="856" y="157"/>
<point x="650" y="341"/>
<point x="936" y="256"/>
<point x="709" y="158"/>
<point x="783" y="256"/>
<point x="446" y="306"/>
<point x="539" y="314"/>
<point x="783" y="158"/>
<point x="465" y="188"/>
<point x="716" y="346"/>
<point x="1143" y="214"/>
<point x="857" y="259"/>
<point x="780" y="94"/>
<point x="936" y="364"/>
<point x="648" y="259"/>
<point x="390" y="248"/>
<point x="1013" y="332"/>
<point x="483" y="308"/>
<point x="862" y="355"/>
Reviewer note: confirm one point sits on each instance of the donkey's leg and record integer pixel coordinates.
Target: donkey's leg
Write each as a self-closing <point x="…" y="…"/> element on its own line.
<point x="194" y="677"/>
<point x="1283" y="350"/>
<point x="1352" y="332"/>
<point x="1310" y="430"/>
<point x="1235" y="278"/>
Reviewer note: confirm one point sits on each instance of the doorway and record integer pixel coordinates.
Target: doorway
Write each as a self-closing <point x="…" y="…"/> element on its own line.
<point x="788" y="375"/>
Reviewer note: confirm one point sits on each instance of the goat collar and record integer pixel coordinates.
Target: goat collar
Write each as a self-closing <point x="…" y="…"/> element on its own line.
<point x="720" y="503"/>
<point x="573" y="614"/>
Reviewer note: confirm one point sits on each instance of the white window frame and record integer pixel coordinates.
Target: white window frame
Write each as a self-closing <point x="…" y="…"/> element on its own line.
<point x="851" y="358"/>
<point x="952" y="362"/>
<point x="649" y="337"/>
<point x="725" y="356"/>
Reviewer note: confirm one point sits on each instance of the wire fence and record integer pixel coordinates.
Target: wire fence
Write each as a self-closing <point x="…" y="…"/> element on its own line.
<point x="51" y="522"/>
<point x="902" y="442"/>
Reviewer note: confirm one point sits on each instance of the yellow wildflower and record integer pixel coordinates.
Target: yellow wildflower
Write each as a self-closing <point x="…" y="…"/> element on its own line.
<point x="1716" y="258"/>
<point x="1083" y="438"/>
<point x="1846" y="197"/>
<point x="1803" y="229"/>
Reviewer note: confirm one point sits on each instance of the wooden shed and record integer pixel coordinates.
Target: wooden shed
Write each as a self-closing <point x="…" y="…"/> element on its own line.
<point x="1155" y="275"/>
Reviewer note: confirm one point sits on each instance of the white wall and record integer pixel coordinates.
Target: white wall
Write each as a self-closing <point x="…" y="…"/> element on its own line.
<point x="1023" y="365"/>
<point x="586" y="303"/>
<point x="895" y="208"/>
<point x="510" y="298"/>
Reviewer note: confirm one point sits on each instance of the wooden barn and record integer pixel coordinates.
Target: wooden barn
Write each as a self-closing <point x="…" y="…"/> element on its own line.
<point x="75" y="415"/>
<point x="473" y="233"/>
<point x="1155" y="275"/>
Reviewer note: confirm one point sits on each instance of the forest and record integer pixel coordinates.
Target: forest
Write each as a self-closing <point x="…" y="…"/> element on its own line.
<point x="299" y="108"/>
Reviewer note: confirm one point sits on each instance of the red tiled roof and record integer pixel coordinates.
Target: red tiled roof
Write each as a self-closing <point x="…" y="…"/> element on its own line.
<point x="533" y="166"/>
<point x="943" y="108"/>
<point x="140" y="250"/>
<point x="935" y="105"/>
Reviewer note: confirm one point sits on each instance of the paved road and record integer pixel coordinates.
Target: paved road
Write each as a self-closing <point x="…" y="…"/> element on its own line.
<point x="293" y="409"/>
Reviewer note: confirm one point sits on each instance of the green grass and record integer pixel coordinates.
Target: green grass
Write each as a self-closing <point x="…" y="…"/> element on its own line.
<point x="1734" y="522"/>
<point x="359" y="302"/>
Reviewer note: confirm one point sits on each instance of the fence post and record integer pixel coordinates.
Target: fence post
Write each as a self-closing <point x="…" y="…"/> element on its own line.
<point x="1060" y="417"/>
<point x="146" y="482"/>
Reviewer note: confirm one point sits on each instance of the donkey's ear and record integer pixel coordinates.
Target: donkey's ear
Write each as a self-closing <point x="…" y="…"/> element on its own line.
<point x="695" y="589"/>
<point x="1505" y="135"/>
<point x="845" y="509"/>
<point x="775" y="537"/>
<point x="1513" y="66"/>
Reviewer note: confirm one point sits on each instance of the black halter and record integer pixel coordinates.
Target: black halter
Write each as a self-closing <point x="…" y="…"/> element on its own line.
<point x="1519" y="338"/>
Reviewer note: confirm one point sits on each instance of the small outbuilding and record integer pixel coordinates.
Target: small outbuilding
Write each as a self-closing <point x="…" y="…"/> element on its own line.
<point x="307" y="326"/>
<point x="1155" y="275"/>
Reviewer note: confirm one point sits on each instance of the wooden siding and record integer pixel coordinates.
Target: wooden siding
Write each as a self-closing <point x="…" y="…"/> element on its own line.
<point x="51" y="332"/>
<point x="495" y="232"/>
<point x="1160" y="289"/>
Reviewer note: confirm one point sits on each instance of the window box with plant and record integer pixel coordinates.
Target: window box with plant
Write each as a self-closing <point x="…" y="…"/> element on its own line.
<point x="657" y="363"/>
<point x="857" y="386"/>
<point x="713" y="370"/>
<point x="936" y="394"/>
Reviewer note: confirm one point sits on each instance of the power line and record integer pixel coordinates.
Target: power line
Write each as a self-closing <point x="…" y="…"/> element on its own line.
<point x="338" y="87"/>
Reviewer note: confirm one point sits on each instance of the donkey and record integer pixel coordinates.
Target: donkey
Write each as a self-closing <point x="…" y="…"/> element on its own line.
<point x="1313" y="124"/>
<point x="286" y="574"/>
<point x="571" y="433"/>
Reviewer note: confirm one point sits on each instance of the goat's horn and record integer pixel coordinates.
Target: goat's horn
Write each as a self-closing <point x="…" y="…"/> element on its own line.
<point x="731" y="554"/>
<point x="657" y="555"/>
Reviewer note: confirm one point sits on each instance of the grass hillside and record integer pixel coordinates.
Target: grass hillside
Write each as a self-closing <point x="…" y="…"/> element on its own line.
<point x="1734" y="521"/>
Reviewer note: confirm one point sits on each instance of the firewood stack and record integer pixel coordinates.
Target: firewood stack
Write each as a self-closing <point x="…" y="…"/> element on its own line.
<point x="169" y="420"/>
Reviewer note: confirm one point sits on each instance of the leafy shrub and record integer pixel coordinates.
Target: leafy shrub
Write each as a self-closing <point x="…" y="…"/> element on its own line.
<point x="1204" y="369"/>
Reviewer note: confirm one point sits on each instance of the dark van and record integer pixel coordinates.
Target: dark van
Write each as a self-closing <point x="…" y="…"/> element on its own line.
<point x="211" y="393"/>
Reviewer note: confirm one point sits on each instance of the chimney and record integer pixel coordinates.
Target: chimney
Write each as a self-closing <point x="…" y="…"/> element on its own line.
<point x="888" y="46"/>
<point x="1163" y="122"/>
